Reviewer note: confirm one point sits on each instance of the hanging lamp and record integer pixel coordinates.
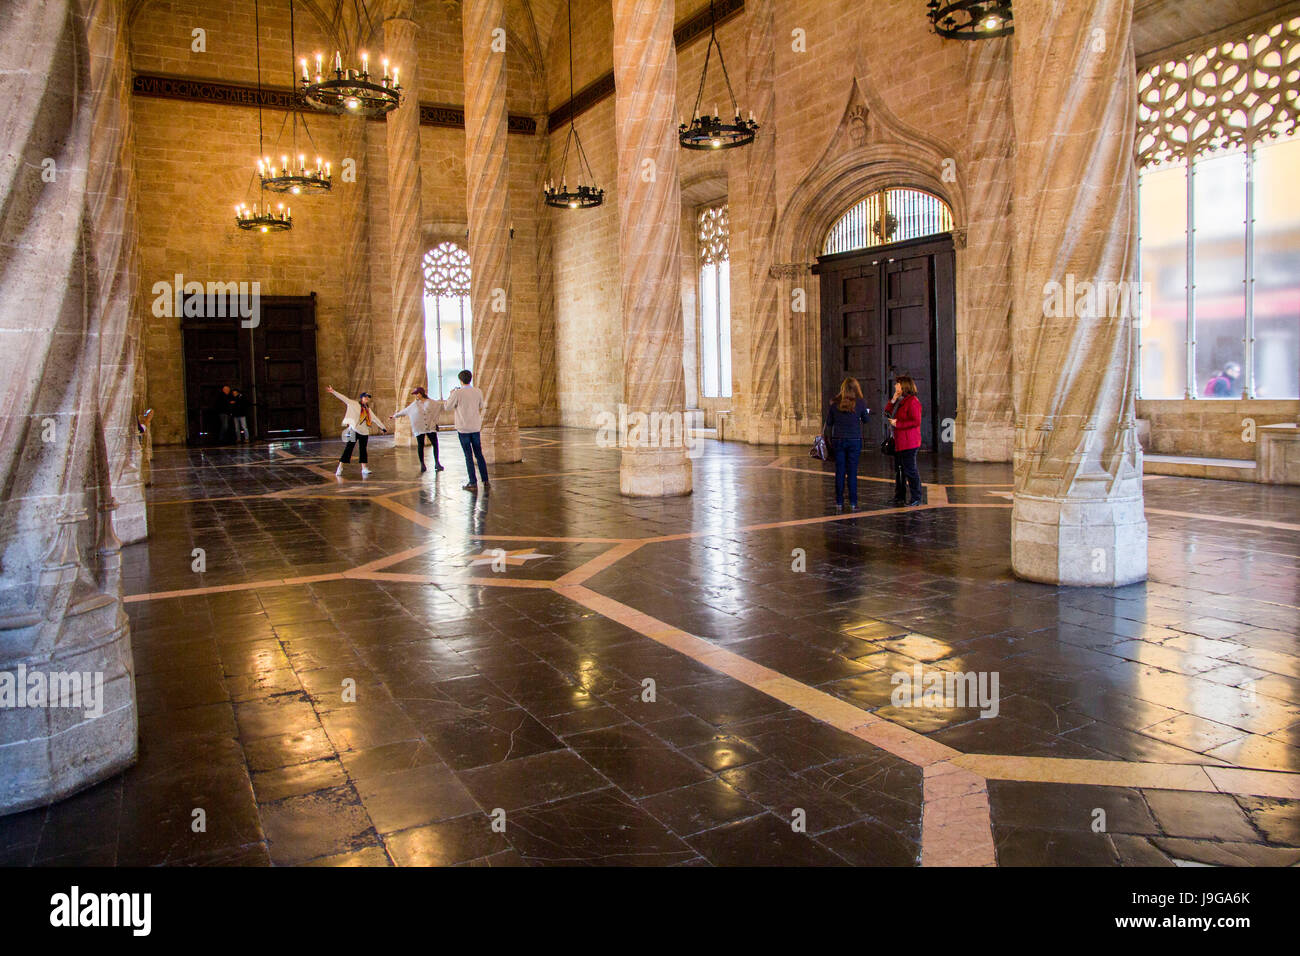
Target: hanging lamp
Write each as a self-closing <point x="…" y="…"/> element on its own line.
<point x="261" y="216"/>
<point x="715" y="132"/>
<point x="291" y="177"/>
<point x="587" y="195"/>
<point x="346" y="90"/>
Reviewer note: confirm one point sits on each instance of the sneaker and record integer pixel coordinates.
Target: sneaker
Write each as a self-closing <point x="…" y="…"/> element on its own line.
<point x="470" y="487"/>
<point x="913" y="504"/>
<point x="839" y="509"/>
<point x="339" y="470"/>
<point x="853" y="507"/>
<point x="364" y="471"/>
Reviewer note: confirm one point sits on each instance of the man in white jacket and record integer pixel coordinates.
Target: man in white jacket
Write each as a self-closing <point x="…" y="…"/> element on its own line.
<point x="466" y="403"/>
<point x="359" y="422"/>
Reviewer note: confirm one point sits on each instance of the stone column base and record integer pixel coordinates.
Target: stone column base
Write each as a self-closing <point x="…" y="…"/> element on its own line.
<point x="52" y="752"/>
<point x="1082" y="543"/>
<point x="654" y="473"/>
<point x="985" y="441"/>
<point x="1277" y="455"/>
<point x="501" y="444"/>
<point x="403" y="437"/>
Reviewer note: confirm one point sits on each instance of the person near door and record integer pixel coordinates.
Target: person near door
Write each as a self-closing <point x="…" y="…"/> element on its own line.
<point x="239" y="408"/>
<point x="846" y="416"/>
<point x="423" y="413"/>
<point x="221" y="411"/>
<point x="359" y="423"/>
<point x="905" y="411"/>
<point x="466" y="403"/>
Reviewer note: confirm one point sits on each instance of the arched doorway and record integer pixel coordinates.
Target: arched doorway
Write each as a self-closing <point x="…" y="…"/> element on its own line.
<point x="888" y="304"/>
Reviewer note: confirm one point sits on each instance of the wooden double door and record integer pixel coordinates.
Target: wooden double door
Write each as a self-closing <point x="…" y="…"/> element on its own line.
<point x="273" y="363"/>
<point x="887" y="312"/>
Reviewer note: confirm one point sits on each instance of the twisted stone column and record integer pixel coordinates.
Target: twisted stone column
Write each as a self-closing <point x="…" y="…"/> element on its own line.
<point x="359" y="329"/>
<point x="110" y="197"/>
<point x="60" y="594"/>
<point x="548" y="406"/>
<point x="984" y="420"/>
<point x="404" y="216"/>
<point x="487" y="187"/>
<point x="771" y="406"/>
<point x="1077" y="516"/>
<point x="649" y="208"/>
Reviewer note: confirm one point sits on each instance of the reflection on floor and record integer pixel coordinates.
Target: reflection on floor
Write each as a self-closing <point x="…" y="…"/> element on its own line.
<point x="397" y="671"/>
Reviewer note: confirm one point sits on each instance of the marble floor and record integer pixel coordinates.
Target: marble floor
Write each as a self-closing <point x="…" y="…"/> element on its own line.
<point x="396" y="671"/>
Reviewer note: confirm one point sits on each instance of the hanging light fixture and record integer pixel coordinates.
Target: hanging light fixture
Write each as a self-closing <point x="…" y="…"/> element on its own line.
<point x="289" y="177"/>
<point x="261" y="216"/>
<point x="715" y="132"/>
<point x="347" y="90"/>
<point x="970" y="19"/>
<point x="586" y="195"/>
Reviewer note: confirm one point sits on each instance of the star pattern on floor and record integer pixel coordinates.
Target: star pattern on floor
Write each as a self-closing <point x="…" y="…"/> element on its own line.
<point x="512" y="558"/>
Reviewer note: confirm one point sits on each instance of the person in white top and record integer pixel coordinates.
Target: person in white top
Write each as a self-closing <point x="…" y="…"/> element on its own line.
<point x="466" y="403"/>
<point x="423" y="413"/>
<point x="359" y="423"/>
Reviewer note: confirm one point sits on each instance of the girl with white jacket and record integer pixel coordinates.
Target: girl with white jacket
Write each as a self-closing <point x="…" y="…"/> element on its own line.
<point x="360" y="423"/>
<point x="423" y="413"/>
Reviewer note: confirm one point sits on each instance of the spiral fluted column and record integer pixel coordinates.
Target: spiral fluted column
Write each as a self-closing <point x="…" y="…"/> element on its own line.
<point x="766" y="368"/>
<point x="404" y="217"/>
<point x="1077" y="517"/>
<point x="488" y="200"/>
<point x="548" y="406"/>
<point x="110" y="208"/>
<point x="984" y="420"/>
<point x="359" y="327"/>
<point x="649" y="208"/>
<point x="60" y="587"/>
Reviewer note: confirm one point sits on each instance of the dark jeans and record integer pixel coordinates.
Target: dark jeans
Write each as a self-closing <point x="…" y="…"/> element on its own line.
<point x="226" y="432"/>
<point x="847" y="454"/>
<point x="347" y="449"/>
<point x="472" y="446"/>
<point x="433" y="442"/>
<point x="907" y="462"/>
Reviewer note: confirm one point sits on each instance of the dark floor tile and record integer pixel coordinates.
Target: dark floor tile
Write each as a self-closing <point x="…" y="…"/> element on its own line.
<point x="459" y="840"/>
<point x="765" y="840"/>
<point x="324" y="823"/>
<point x="700" y="806"/>
<point x="635" y="761"/>
<point x="530" y="780"/>
<point x="603" y="828"/>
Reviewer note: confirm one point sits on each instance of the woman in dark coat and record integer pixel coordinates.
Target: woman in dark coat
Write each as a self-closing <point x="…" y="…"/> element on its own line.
<point x="845" y="417"/>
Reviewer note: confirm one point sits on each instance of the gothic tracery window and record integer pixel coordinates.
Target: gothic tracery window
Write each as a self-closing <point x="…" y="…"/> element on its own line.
<point x="890" y="215"/>
<point x="1219" y="212"/>
<point x="714" y="237"/>
<point x="447" y="316"/>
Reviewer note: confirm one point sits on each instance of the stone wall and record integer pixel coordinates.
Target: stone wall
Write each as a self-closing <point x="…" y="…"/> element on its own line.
<point x="1205" y="428"/>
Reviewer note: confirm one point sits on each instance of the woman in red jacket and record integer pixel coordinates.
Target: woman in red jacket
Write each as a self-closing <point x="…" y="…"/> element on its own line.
<point x="905" y="411"/>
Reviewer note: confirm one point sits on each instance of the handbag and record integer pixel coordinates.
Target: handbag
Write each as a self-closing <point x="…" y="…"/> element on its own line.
<point x="349" y="434"/>
<point x="887" y="446"/>
<point x="818" y="449"/>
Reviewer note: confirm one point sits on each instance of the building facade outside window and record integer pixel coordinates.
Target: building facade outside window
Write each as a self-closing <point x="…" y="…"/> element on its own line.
<point x="448" y="341"/>
<point x="1219" y="214"/>
<point x="714" y="236"/>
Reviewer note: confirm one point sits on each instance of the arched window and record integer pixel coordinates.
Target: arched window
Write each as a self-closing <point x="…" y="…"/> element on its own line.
<point x="714" y="237"/>
<point x="448" y="346"/>
<point x="891" y="215"/>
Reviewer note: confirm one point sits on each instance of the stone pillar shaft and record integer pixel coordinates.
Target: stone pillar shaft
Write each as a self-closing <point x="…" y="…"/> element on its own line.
<point x="1078" y="516"/>
<point x="404" y="217"/>
<point x="488" y="202"/>
<point x="649" y="207"/>
<point x="771" y="397"/>
<point x="984" y="420"/>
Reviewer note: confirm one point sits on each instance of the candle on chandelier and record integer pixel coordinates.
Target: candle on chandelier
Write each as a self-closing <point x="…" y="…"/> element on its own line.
<point x="395" y="71"/>
<point x="306" y="77"/>
<point x="385" y="67"/>
<point x="338" y="62"/>
<point x="365" y="64"/>
<point x="318" y="67"/>
<point x="302" y="163"/>
<point x="327" y="170"/>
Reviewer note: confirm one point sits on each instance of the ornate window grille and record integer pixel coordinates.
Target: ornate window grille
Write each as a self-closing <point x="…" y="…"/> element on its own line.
<point x="1219" y="233"/>
<point x="447" y="316"/>
<point x="891" y="215"/>
<point x="714" y="239"/>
